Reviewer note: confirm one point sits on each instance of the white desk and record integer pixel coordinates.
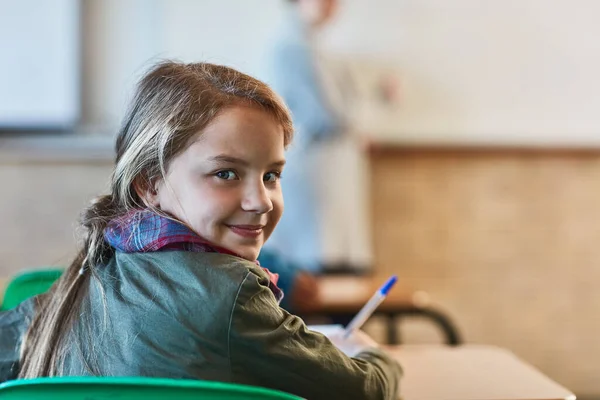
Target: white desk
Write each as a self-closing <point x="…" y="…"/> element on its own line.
<point x="471" y="372"/>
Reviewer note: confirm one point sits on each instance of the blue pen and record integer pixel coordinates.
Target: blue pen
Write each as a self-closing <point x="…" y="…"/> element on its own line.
<point x="370" y="307"/>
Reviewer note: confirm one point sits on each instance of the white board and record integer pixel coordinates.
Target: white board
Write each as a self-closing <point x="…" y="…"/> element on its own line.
<point x="39" y="71"/>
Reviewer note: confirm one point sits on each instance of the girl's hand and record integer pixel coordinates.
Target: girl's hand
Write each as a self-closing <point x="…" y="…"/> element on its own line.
<point x="354" y="344"/>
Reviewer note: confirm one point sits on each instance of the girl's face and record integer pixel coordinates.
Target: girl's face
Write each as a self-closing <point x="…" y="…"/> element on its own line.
<point x="226" y="184"/>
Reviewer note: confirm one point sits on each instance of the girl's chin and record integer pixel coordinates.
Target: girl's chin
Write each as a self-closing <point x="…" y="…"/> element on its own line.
<point x="249" y="253"/>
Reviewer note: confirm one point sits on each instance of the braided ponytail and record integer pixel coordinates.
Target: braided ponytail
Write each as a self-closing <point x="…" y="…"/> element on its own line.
<point x="55" y="309"/>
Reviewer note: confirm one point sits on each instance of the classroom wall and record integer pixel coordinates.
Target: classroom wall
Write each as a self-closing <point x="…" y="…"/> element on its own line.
<point x="495" y="71"/>
<point x="39" y="210"/>
<point x="470" y="71"/>
<point x="506" y="241"/>
<point x="122" y="38"/>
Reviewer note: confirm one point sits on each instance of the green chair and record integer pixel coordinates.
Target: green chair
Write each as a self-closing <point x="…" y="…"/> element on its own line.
<point x="28" y="284"/>
<point x="105" y="388"/>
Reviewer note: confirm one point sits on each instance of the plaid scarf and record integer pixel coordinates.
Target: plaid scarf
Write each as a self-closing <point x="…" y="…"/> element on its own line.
<point x="143" y="231"/>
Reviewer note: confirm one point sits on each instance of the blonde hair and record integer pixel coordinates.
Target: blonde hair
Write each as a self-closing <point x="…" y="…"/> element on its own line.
<point x="173" y="103"/>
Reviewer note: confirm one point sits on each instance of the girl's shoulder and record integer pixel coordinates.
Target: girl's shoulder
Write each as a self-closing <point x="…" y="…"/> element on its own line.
<point x="188" y="271"/>
<point x="177" y="285"/>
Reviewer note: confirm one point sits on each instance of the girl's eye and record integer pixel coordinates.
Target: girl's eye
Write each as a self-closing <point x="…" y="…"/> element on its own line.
<point x="272" y="176"/>
<point x="227" y="175"/>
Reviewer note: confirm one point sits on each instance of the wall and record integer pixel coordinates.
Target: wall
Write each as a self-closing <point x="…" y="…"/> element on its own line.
<point x="514" y="71"/>
<point x="122" y="38"/>
<point x="506" y="241"/>
<point x="508" y="71"/>
<point x="39" y="210"/>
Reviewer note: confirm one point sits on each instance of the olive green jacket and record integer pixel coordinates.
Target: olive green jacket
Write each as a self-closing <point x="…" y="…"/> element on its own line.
<point x="203" y="316"/>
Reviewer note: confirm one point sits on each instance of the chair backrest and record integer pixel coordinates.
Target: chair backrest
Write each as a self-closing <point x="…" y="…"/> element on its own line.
<point x="134" y="388"/>
<point x="28" y="284"/>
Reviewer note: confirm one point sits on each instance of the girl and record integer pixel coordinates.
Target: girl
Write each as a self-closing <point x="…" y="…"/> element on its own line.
<point x="166" y="283"/>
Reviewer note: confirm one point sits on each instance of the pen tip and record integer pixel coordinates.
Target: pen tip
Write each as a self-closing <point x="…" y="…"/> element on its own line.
<point x="388" y="285"/>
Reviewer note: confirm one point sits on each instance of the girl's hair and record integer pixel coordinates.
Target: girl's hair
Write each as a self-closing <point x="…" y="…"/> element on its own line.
<point x="173" y="103"/>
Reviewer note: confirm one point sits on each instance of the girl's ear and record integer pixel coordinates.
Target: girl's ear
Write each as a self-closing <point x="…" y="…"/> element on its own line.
<point x="147" y="190"/>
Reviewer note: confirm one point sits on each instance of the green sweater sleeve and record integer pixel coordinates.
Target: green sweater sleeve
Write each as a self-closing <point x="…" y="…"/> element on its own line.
<point x="272" y="348"/>
<point x="13" y="325"/>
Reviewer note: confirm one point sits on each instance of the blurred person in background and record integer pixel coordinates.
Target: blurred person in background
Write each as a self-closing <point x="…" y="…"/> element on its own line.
<point x="324" y="226"/>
